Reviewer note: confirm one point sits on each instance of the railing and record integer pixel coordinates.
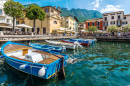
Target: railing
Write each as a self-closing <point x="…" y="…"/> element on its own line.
<point x="29" y="37"/>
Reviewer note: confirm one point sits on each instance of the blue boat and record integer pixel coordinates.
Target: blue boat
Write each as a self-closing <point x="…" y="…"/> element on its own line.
<point x="45" y="47"/>
<point x="91" y="41"/>
<point x="80" y="41"/>
<point x="33" y="61"/>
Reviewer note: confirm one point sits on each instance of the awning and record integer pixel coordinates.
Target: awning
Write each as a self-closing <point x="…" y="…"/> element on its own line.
<point x="23" y="26"/>
<point x="9" y="27"/>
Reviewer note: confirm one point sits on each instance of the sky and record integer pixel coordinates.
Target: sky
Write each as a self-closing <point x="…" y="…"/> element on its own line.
<point x="103" y="6"/>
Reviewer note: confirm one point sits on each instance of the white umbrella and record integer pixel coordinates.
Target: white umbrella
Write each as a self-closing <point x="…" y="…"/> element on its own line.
<point x="23" y="26"/>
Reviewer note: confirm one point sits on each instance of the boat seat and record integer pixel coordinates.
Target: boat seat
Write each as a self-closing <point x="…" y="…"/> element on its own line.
<point x="19" y="58"/>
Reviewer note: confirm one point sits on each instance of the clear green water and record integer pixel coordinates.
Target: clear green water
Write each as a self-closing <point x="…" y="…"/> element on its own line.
<point x="103" y="64"/>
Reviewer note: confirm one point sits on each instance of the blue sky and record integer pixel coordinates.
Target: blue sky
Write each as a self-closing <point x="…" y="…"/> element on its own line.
<point x="102" y="6"/>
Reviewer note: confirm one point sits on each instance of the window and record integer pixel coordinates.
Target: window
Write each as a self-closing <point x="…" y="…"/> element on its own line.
<point x="0" y="12"/>
<point x="93" y="23"/>
<point x="55" y="22"/>
<point x="112" y="22"/>
<point x="47" y="10"/>
<point x="8" y="20"/>
<point x="124" y="17"/>
<point x="98" y="27"/>
<point x="88" y="24"/>
<point x="17" y="22"/>
<point x="27" y="29"/>
<point x="112" y="17"/>
<point x="118" y="13"/>
<point x="52" y="10"/>
<point x="105" y="18"/>
<point x="105" y="15"/>
<point x="98" y="23"/>
<point x="23" y="22"/>
<point x="112" y="14"/>
<point x="124" y="22"/>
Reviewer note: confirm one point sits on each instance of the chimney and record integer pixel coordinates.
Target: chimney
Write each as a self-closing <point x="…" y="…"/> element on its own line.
<point x="55" y="7"/>
<point x="59" y="8"/>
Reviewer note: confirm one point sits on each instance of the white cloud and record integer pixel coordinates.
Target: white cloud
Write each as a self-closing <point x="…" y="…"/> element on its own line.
<point x="111" y="8"/>
<point x="94" y="9"/>
<point x="92" y="2"/>
<point x="97" y="3"/>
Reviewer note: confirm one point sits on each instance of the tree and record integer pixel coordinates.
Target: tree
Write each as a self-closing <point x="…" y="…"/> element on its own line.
<point x="13" y="9"/>
<point x="92" y="28"/>
<point x="126" y="28"/>
<point x="112" y="29"/>
<point x="34" y="12"/>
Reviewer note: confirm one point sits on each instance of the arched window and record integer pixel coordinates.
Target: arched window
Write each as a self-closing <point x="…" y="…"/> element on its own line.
<point x="23" y="22"/>
<point x="0" y="12"/>
<point x="55" y="22"/>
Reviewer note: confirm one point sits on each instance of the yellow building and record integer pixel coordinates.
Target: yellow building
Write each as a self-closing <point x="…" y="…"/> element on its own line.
<point x="68" y="22"/>
<point x="52" y="21"/>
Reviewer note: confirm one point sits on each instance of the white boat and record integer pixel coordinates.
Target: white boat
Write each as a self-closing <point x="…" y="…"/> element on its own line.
<point x="67" y="45"/>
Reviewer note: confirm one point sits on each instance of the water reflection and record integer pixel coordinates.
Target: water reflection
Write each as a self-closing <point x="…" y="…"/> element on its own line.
<point x="104" y="64"/>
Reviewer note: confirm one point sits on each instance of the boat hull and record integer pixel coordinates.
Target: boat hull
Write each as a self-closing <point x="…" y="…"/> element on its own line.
<point x="73" y="42"/>
<point x="34" y="68"/>
<point x="59" y="44"/>
<point x="50" y="48"/>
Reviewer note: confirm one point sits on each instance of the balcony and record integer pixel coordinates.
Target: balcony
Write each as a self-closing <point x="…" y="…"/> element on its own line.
<point x="106" y="20"/>
<point x="105" y="25"/>
<point x="119" y="19"/>
<point x="119" y="24"/>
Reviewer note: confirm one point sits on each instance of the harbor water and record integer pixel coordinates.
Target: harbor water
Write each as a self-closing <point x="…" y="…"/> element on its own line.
<point x="102" y="64"/>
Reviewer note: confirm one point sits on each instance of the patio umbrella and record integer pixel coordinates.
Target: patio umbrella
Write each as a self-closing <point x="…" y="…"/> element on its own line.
<point x="23" y="26"/>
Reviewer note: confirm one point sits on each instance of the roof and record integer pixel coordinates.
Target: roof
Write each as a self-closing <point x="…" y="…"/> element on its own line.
<point x="93" y="19"/>
<point x="127" y="15"/>
<point x="51" y="7"/>
<point x="114" y="12"/>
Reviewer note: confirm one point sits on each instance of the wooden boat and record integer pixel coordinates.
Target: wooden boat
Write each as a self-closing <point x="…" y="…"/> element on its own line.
<point x="67" y="45"/>
<point x="81" y="42"/>
<point x="32" y="61"/>
<point x="45" y="47"/>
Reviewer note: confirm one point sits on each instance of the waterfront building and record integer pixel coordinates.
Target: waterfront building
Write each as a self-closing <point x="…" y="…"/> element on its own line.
<point x="115" y="19"/>
<point x="52" y="21"/>
<point x="82" y="25"/>
<point x="5" y="21"/>
<point x="69" y="22"/>
<point x="98" y="22"/>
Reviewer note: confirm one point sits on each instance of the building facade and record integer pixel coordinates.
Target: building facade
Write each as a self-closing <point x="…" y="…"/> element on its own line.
<point x="4" y="19"/>
<point x="98" y="22"/>
<point x="52" y="21"/>
<point x="126" y="20"/>
<point x="69" y="22"/>
<point x="115" y="19"/>
<point x="82" y="25"/>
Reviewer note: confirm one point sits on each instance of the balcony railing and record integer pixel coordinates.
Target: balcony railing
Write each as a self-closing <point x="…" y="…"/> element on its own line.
<point x="105" y="20"/>
<point x="119" y="18"/>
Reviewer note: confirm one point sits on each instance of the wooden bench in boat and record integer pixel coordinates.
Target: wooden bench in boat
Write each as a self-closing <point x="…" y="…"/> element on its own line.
<point x="49" y="60"/>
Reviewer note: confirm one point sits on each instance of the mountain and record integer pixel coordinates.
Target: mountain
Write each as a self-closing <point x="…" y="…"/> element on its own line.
<point x="81" y="14"/>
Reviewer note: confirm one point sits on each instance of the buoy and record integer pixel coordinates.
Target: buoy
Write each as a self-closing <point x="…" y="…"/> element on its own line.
<point x="126" y="45"/>
<point x="1" y="56"/>
<point x="113" y="44"/>
<point x="117" y="44"/>
<point x="41" y="72"/>
<point x="24" y="66"/>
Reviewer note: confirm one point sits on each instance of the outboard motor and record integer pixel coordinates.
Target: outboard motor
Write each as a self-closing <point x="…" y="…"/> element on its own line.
<point x="63" y="48"/>
<point x="78" y="44"/>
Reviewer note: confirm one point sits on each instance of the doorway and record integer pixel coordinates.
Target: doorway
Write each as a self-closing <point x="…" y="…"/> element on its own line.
<point x="44" y="30"/>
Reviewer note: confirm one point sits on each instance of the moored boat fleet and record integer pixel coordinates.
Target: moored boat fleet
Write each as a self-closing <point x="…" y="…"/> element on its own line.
<point x="41" y="60"/>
